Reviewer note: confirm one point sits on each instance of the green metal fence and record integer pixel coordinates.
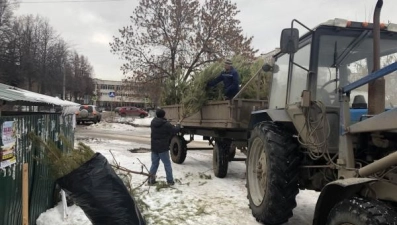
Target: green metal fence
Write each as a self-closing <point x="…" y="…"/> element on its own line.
<point x="41" y="186"/>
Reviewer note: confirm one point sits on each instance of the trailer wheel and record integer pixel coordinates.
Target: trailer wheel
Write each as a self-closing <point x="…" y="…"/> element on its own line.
<point x="220" y="160"/>
<point x="360" y="211"/>
<point x="272" y="173"/>
<point x="232" y="152"/>
<point x="178" y="149"/>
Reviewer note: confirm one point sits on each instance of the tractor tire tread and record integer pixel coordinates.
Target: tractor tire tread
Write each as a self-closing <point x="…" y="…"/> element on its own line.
<point x="279" y="201"/>
<point x="180" y="156"/>
<point x="362" y="211"/>
<point x="220" y="159"/>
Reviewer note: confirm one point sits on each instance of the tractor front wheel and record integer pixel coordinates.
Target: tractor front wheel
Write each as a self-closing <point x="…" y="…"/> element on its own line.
<point x="360" y="211"/>
<point x="272" y="173"/>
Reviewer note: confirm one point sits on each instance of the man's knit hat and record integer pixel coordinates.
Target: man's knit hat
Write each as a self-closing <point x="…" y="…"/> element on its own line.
<point x="160" y="113"/>
<point x="228" y="62"/>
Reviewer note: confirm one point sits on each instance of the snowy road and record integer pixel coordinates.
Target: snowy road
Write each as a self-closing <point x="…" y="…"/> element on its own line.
<point x="197" y="198"/>
<point x="139" y="135"/>
<point x="82" y="132"/>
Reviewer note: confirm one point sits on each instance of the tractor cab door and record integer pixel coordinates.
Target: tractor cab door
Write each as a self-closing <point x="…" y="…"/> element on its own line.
<point x="291" y="78"/>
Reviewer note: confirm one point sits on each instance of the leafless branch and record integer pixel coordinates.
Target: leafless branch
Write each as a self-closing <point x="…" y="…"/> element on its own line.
<point x="191" y="35"/>
<point x="130" y="171"/>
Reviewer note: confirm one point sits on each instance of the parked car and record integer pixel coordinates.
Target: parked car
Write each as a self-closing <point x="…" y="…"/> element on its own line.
<point x="132" y="111"/>
<point x="88" y="113"/>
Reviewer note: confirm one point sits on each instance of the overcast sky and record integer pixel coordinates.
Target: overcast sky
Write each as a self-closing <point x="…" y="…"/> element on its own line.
<point x="89" y="26"/>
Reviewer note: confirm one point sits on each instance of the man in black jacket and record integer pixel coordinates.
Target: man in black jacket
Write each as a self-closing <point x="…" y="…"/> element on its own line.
<point x="162" y="132"/>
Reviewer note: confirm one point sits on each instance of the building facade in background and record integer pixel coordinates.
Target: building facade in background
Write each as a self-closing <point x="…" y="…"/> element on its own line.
<point x="111" y="94"/>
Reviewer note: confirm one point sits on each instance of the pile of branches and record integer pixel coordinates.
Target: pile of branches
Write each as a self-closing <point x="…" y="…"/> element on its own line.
<point x="102" y="193"/>
<point x="61" y="162"/>
<point x="195" y="95"/>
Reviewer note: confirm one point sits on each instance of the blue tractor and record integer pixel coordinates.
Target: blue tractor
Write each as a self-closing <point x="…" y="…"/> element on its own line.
<point x="326" y="128"/>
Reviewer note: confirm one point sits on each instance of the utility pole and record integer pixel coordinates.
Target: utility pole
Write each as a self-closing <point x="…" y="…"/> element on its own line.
<point x="64" y="80"/>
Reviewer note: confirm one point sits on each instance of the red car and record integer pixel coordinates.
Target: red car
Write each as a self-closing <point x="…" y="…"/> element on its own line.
<point x="132" y="111"/>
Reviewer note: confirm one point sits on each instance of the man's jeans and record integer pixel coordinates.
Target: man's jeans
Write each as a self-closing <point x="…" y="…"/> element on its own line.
<point x="165" y="158"/>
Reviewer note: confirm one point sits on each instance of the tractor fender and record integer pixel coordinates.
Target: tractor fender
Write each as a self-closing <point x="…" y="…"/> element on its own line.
<point x="276" y="115"/>
<point x="333" y="193"/>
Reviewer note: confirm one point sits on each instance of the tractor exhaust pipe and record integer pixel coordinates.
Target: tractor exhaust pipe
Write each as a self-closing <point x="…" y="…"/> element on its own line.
<point x="376" y="89"/>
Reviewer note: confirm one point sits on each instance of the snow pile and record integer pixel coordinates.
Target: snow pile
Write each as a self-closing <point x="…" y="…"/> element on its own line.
<point x="123" y="119"/>
<point x="131" y="120"/>
<point x="54" y="216"/>
<point x="143" y="121"/>
<point x="111" y="126"/>
<point x="197" y="198"/>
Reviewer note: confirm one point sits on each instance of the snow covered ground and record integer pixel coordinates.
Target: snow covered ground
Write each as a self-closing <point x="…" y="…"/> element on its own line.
<point x="197" y="198"/>
<point x="111" y="126"/>
<point x="143" y="121"/>
<point x="128" y="120"/>
<point x="130" y="126"/>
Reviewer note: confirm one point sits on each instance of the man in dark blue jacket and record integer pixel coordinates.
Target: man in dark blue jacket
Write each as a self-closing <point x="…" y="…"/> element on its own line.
<point x="162" y="131"/>
<point x="230" y="80"/>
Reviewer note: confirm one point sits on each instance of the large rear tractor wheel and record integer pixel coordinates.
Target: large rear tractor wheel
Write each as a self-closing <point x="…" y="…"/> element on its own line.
<point x="220" y="160"/>
<point x="360" y="211"/>
<point x="272" y="173"/>
<point x="178" y="149"/>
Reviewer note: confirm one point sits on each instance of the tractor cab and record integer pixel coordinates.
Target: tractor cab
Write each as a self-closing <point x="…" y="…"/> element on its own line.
<point x="322" y="61"/>
<point x="332" y="55"/>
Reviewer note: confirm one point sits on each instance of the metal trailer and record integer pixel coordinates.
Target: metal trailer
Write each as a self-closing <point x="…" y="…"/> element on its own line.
<point x="223" y="123"/>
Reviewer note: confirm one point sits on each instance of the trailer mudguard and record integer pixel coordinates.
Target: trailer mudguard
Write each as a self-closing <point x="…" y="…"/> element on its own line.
<point x="335" y="192"/>
<point x="276" y="115"/>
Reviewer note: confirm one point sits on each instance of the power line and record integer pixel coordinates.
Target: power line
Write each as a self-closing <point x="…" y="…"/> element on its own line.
<point x="64" y="1"/>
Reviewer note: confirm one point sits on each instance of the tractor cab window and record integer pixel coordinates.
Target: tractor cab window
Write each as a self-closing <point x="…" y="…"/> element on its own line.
<point x="279" y="84"/>
<point x="328" y="74"/>
<point x="359" y="96"/>
<point x="360" y="69"/>
<point x="345" y="59"/>
<point x="299" y="74"/>
<point x="391" y="80"/>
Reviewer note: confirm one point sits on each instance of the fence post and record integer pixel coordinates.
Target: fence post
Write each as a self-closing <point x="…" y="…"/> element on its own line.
<point x="25" y="194"/>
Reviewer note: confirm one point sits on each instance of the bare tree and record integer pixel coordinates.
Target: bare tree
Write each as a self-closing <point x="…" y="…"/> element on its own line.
<point x="80" y="75"/>
<point x="7" y="8"/>
<point x="56" y="66"/>
<point x="173" y="39"/>
<point x="7" y="41"/>
<point x="149" y="89"/>
<point x="46" y="39"/>
<point x="9" y="55"/>
<point x="35" y="57"/>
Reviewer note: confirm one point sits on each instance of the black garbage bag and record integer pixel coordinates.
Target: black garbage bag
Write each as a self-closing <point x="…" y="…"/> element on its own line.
<point x="101" y="194"/>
